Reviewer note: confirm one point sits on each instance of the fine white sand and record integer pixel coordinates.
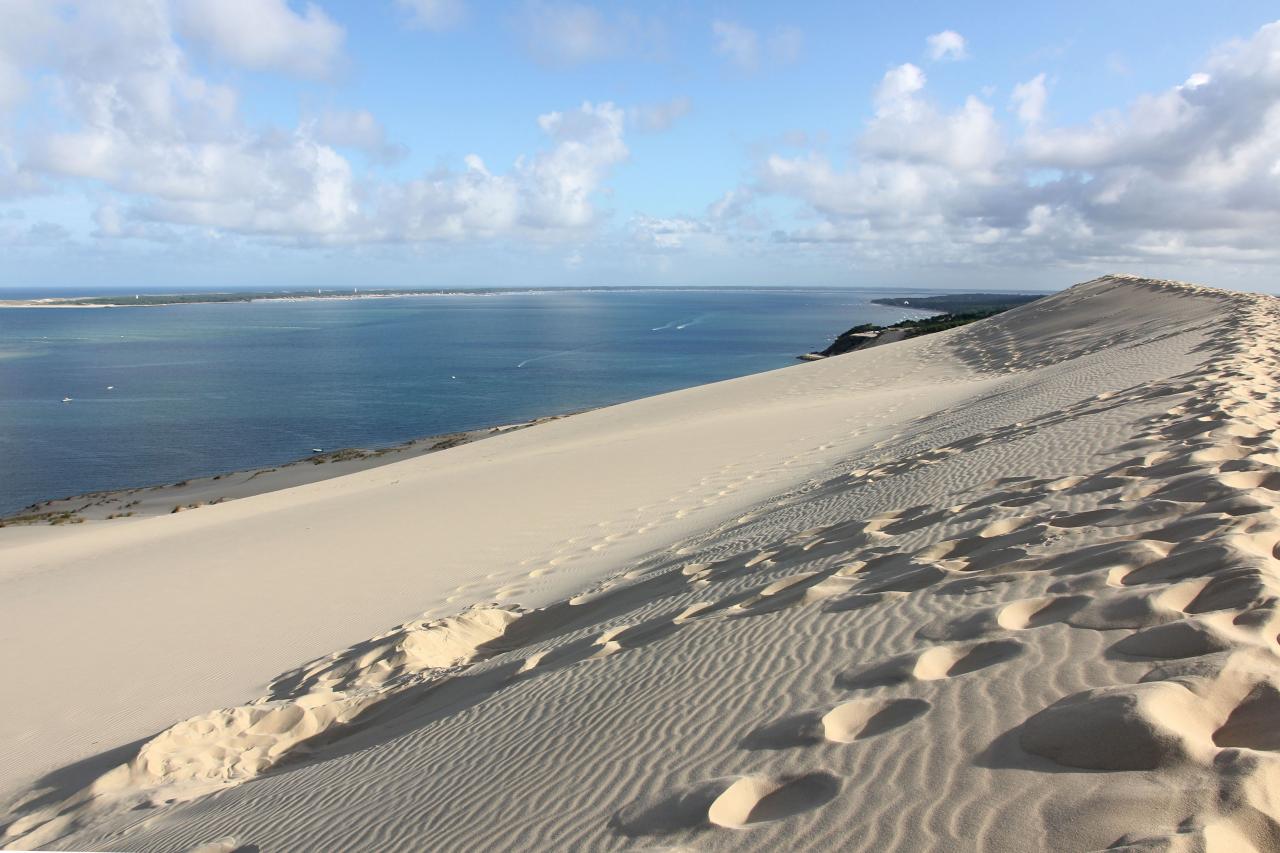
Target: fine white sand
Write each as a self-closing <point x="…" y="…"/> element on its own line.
<point x="1007" y="587"/>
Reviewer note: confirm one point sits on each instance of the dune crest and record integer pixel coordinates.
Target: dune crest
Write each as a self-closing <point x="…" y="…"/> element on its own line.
<point x="1026" y="598"/>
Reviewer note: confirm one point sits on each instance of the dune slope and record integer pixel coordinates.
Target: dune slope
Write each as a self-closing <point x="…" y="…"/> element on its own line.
<point x="1008" y="587"/>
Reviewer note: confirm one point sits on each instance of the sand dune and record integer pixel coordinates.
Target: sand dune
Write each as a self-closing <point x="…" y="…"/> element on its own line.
<point x="1008" y="587"/>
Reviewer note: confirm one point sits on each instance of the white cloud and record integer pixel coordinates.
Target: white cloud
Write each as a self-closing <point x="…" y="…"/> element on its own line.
<point x="434" y="14"/>
<point x="733" y="205"/>
<point x="165" y="153"/>
<point x="945" y="45"/>
<point x="1029" y="99"/>
<point x="26" y="24"/>
<point x="1061" y="222"/>
<point x="113" y="223"/>
<point x="17" y="179"/>
<point x="139" y="122"/>
<point x="1190" y="172"/>
<point x="175" y="156"/>
<point x="13" y="85"/>
<point x="665" y="233"/>
<point x="545" y="195"/>
<point x="655" y="118"/>
<point x="898" y="83"/>
<point x="360" y="130"/>
<point x="264" y="34"/>
<point x="909" y="128"/>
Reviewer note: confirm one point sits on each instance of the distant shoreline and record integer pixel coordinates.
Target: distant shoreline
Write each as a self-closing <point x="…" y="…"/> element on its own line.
<point x="152" y="300"/>
<point x="166" y="498"/>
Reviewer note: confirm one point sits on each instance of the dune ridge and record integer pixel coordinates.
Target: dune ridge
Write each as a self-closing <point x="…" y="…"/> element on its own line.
<point x="1036" y="611"/>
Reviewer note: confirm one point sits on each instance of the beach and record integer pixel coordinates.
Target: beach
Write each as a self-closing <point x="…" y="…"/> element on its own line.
<point x="1009" y="586"/>
<point x="213" y="489"/>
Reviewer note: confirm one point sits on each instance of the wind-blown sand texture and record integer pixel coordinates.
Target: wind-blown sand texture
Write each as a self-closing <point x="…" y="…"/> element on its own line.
<point x="1008" y="587"/>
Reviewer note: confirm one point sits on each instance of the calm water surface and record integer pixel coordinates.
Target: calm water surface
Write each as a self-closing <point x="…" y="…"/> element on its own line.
<point x="202" y="389"/>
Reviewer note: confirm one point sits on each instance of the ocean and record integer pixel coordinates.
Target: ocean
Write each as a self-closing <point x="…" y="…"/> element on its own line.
<point x="162" y="394"/>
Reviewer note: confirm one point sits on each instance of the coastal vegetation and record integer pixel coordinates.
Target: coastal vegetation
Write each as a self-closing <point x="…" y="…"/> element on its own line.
<point x="959" y="303"/>
<point x="956" y="310"/>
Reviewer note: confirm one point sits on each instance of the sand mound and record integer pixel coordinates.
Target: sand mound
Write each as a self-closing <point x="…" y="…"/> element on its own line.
<point x="1116" y="728"/>
<point x="1024" y="594"/>
<point x="232" y="745"/>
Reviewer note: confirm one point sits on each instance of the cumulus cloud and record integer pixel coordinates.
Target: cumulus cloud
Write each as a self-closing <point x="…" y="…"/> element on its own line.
<point x="907" y="127"/>
<point x="140" y="122"/>
<point x="264" y="34"/>
<point x="27" y="24"/>
<point x="548" y="194"/>
<point x="434" y="14"/>
<point x="1029" y="99"/>
<point x="173" y="151"/>
<point x="1190" y="172"/>
<point x="945" y="45"/>
<point x="899" y="83"/>
<point x="358" y="129"/>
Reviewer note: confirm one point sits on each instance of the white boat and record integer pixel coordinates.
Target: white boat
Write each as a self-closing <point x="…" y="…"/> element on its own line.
<point x="66" y="399"/>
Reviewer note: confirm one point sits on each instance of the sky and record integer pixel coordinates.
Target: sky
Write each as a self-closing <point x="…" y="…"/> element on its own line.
<point x="455" y="143"/>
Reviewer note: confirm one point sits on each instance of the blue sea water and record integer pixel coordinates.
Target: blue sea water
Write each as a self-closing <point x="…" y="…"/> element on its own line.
<point x="203" y="389"/>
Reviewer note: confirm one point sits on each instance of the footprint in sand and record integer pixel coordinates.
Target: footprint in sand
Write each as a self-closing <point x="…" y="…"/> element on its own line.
<point x="846" y="723"/>
<point x="864" y="718"/>
<point x="732" y="803"/>
<point x="934" y="664"/>
<point x="858" y="601"/>
<point x="1252" y="724"/>
<point x="626" y="637"/>
<point x="763" y="798"/>
<point x="1038" y="612"/>
<point x="230" y="844"/>
<point x="1185" y="638"/>
<point x="1124" y="727"/>
<point x="803" y="588"/>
